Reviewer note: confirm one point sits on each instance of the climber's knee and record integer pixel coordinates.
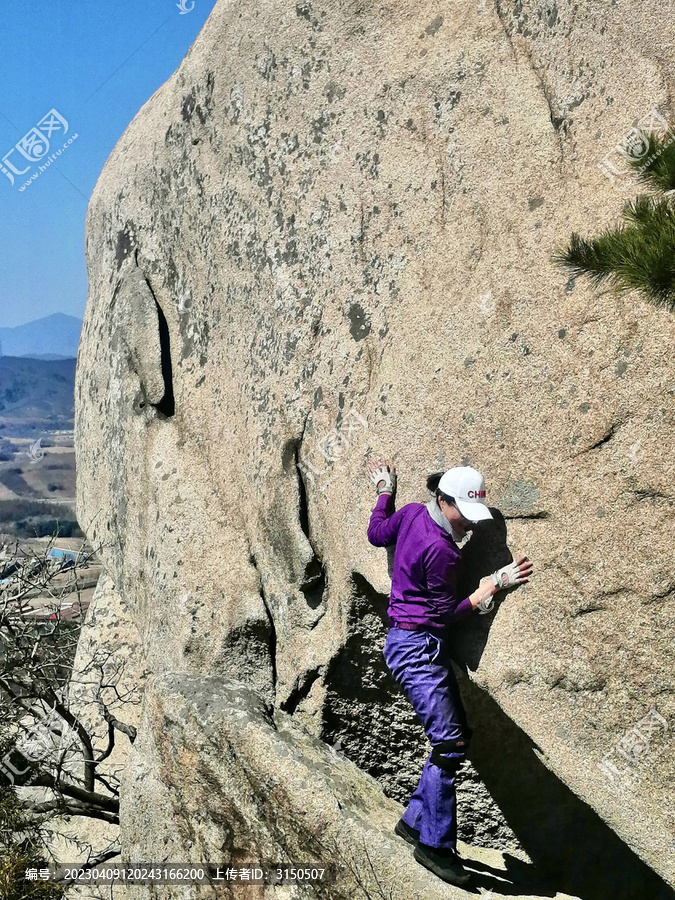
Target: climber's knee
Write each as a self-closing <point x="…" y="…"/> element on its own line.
<point x="449" y="755"/>
<point x="449" y="764"/>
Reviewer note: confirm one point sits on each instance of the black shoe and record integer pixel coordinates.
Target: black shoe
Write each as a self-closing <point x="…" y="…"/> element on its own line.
<point x="411" y="835"/>
<point x="444" y="863"/>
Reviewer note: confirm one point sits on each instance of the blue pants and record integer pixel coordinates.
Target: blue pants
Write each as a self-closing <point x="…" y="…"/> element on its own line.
<point x="420" y="663"/>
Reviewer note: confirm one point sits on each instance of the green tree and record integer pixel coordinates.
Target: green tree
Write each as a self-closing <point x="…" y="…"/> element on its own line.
<point x="639" y="253"/>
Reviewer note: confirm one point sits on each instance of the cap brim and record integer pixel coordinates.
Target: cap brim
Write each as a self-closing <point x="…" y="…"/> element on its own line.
<point x="474" y="512"/>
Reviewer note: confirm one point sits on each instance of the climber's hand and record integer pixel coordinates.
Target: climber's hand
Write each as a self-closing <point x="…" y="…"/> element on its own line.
<point x="382" y="475"/>
<point x="513" y="575"/>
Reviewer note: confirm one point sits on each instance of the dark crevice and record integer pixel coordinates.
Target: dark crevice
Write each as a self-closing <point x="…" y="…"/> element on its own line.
<point x="608" y="435"/>
<point x="614" y="592"/>
<point x="301" y="690"/>
<point x="289" y="455"/>
<point x="273" y="630"/>
<point x="556" y="120"/>
<point x="166" y="405"/>
<point x="302" y="491"/>
<point x="313" y="583"/>
<point x="241" y="649"/>
<point x="649" y="494"/>
<point x="668" y="592"/>
<point x="588" y="609"/>
<point x="559" y="122"/>
<point x="540" y="514"/>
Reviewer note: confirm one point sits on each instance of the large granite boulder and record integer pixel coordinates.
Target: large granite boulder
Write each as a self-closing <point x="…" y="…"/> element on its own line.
<point x="219" y="776"/>
<point x="328" y="236"/>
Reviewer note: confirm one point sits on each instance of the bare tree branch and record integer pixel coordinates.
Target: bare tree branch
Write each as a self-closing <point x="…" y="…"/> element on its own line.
<point x="38" y="640"/>
<point x="70" y="808"/>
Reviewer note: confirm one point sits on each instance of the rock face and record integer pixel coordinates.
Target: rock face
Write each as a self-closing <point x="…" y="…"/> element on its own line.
<point x="276" y="794"/>
<point x="328" y="236"/>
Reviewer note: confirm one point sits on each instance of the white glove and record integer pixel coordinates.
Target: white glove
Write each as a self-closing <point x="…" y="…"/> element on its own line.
<point x="383" y="474"/>
<point x="507" y="577"/>
<point x="486" y="605"/>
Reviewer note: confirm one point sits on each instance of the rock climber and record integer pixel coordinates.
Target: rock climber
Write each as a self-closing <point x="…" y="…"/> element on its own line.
<point x="423" y="605"/>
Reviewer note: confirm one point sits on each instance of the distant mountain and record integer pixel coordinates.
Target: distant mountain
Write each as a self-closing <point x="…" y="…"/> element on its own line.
<point x="45" y="356"/>
<point x="54" y="337"/>
<point x="36" y="395"/>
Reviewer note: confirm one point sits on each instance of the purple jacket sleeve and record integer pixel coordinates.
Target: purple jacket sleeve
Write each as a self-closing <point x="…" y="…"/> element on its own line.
<point x="384" y="523"/>
<point x="439" y="566"/>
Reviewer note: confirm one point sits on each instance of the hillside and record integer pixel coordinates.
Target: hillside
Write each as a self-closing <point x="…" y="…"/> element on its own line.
<point x="52" y="337"/>
<point x="35" y="395"/>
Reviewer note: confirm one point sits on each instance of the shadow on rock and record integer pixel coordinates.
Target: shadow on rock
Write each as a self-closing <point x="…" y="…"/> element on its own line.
<point x="485" y="552"/>
<point x="562" y="835"/>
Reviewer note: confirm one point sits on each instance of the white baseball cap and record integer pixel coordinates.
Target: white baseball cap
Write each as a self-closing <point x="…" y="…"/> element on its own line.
<point x="467" y="486"/>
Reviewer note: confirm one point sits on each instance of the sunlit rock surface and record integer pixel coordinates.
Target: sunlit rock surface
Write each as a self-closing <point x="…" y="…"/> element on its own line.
<point x="344" y="215"/>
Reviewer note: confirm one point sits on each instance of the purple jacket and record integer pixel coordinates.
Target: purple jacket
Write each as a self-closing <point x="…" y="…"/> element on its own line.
<point x="426" y="560"/>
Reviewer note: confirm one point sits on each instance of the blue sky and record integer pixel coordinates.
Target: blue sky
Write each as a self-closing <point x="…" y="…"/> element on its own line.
<point x="57" y="55"/>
